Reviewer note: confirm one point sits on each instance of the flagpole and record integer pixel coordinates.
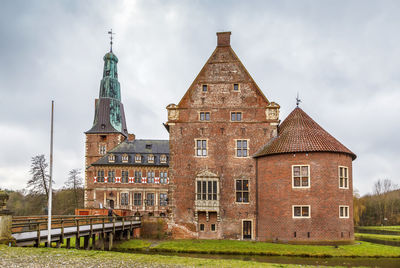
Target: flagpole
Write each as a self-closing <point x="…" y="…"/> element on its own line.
<point x="50" y="181"/>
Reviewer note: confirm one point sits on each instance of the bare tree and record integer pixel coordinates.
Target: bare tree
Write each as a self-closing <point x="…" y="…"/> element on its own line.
<point x="39" y="183"/>
<point x="384" y="200"/>
<point x="74" y="182"/>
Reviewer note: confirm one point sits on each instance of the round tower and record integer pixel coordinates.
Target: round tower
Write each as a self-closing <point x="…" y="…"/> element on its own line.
<point x="304" y="185"/>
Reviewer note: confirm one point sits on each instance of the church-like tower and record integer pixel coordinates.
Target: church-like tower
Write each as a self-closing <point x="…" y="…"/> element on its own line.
<point x="109" y="125"/>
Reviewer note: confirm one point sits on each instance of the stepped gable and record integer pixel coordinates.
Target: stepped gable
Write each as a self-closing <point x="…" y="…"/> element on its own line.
<point x="300" y="133"/>
<point x="142" y="147"/>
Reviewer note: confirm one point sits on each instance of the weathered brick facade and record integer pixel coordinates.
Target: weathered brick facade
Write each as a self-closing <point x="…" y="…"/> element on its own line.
<point x="229" y="169"/>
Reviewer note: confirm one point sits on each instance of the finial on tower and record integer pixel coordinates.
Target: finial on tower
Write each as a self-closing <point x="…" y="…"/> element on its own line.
<point x="111" y="38"/>
<point x="298" y="100"/>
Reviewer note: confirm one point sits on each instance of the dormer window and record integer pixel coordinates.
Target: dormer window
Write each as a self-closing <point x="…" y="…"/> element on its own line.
<point x="150" y="158"/>
<point x="148" y="146"/>
<point x="138" y="158"/>
<point x="111" y="158"/>
<point x="163" y="159"/>
<point x="125" y="158"/>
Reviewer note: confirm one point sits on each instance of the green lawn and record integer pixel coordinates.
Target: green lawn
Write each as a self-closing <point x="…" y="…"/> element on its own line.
<point x="386" y="228"/>
<point x="51" y="257"/>
<point x="379" y="236"/>
<point x="359" y="249"/>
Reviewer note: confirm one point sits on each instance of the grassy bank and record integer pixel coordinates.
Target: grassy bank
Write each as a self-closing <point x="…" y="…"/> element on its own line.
<point x="388" y="230"/>
<point x="393" y="240"/>
<point x="360" y="249"/>
<point x="51" y="257"/>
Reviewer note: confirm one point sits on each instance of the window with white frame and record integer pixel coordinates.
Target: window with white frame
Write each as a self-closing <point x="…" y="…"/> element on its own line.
<point x="163" y="199"/>
<point x="344" y="212"/>
<point x="138" y="176"/>
<point x="125" y="158"/>
<point x="163" y="177"/>
<point x="204" y="116"/>
<point x="137" y="199"/>
<point x="201" y="147"/>
<point x="343" y="177"/>
<point x="100" y="175"/>
<point x="124" y="199"/>
<point x="150" y="199"/>
<point x="138" y="158"/>
<point x="124" y="176"/>
<point x="163" y="159"/>
<point x="301" y="176"/>
<point x="150" y="158"/>
<point x="206" y="189"/>
<point x="150" y="177"/>
<point x="242" y="191"/>
<point x="111" y="158"/>
<point x="301" y="211"/>
<point x="242" y="148"/>
<point x="102" y="149"/>
<point x="236" y="116"/>
<point x="111" y="176"/>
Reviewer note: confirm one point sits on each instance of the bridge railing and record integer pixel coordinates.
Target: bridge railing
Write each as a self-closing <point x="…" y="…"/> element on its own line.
<point x="37" y="223"/>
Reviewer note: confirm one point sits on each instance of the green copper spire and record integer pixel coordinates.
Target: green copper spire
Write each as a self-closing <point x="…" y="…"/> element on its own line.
<point x="109" y="114"/>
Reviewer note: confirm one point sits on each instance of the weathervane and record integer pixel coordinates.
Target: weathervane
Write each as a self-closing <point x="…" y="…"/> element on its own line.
<point x="111" y="38"/>
<point x="298" y="100"/>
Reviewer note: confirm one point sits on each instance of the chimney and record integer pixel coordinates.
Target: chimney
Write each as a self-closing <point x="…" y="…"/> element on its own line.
<point x="131" y="137"/>
<point x="224" y="39"/>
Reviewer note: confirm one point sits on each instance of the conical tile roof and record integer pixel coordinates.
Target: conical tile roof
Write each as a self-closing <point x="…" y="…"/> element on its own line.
<point x="300" y="133"/>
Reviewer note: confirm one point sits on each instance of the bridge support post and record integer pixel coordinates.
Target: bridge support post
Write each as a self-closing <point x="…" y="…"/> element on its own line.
<point x="68" y="246"/>
<point x="110" y="241"/>
<point x="58" y="244"/>
<point x="77" y="242"/>
<point x="102" y="240"/>
<point x="121" y="235"/>
<point x="93" y="241"/>
<point x="86" y="242"/>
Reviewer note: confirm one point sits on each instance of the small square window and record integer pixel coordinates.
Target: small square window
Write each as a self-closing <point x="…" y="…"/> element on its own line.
<point x="204" y="116"/>
<point x="236" y="87"/>
<point x="301" y="212"/>
<point x="205" y="88"/>
<point x="202" y="227"/>
<point x="301" y="176"/>
<point x="344" y="212"/>
<point x="236" y="116"/>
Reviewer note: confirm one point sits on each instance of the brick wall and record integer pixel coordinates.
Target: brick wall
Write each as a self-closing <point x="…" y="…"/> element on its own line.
<point x="276" y="198"/>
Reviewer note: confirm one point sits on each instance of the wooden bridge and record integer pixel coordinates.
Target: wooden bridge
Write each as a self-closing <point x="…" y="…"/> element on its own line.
<point x="101" y="230"/>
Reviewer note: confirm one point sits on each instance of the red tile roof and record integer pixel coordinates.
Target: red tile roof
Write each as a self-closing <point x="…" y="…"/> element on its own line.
<point x="300" y="133"/>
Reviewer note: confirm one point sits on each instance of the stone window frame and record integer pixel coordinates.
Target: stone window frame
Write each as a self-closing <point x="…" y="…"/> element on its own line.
<point x="138" y="158"/>
<point x="309" y="177"/>
<point x="163" y="203"/>
<point x="344" y="177"/>
<point x="126" y="199"/>
<point x="153" y="199"/>
<point x="111" y="158"/>
<point x="236" y="113"/>
<point x="137" y="178"/>
<point x="111" y="176"/>
<point x="252" y="229"/>
<point x="150" y="158"/>
<point x="200" y="227"/>
<point x="125" y="158"/>
<point x="151" y="178"/>
<point x="301" y="212"/>
<point x="163" y="177"/>
<point x="242" y="191"/>
<point x="163" y="159"/>
<point x="206" y="193"/>
<point x="201" y="148"/>
<point x="102" y="172"/>
<point x="135" y="199"/>
<point x="346" y="212"/>
<point x="204" y="113"/>
<point x="204" y="86"/>
<point x="102" y="149"/>
<point x="126" y="177"/>
<point x="247" y="149"/>
<point x="238" y="86"/>
<point x="211" y="227"/>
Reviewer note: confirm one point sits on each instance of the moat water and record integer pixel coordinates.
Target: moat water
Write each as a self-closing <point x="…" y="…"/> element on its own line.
<point x="332" y="261"/>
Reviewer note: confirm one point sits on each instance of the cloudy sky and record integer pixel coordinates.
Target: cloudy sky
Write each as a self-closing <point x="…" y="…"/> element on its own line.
<point x="343" y="57"/>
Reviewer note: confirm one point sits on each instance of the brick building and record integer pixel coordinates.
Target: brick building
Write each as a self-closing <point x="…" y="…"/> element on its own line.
<point x="123" y="172"/>
<point x="229" y="169"/>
